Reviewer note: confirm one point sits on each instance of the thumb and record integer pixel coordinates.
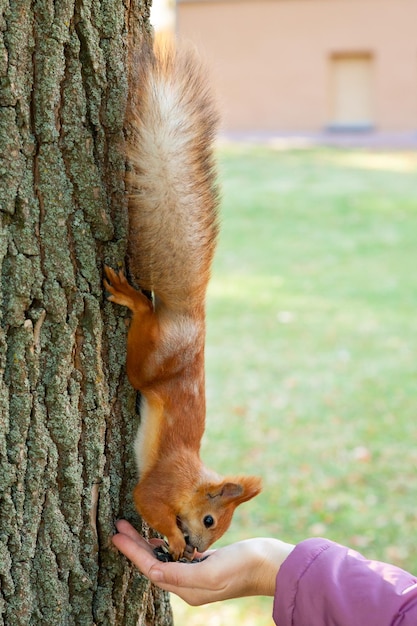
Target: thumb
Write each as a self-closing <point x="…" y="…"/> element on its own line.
<point x="173" y="575"/>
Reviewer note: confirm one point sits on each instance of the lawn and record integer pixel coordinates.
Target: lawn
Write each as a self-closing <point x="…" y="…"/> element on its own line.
<point x="311" y="352"/>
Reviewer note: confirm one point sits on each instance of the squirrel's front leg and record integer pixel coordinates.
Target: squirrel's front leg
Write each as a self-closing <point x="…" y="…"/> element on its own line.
<point x="160" y="516"/>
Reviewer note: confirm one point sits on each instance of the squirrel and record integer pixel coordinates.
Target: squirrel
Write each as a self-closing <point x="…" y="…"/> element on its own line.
<point x="173" y="226"/>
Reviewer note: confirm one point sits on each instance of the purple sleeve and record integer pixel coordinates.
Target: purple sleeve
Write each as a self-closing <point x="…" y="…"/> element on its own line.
<point x="322" y="582"/>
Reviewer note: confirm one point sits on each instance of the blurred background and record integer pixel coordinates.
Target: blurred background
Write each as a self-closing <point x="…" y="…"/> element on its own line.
<point x="311" y="311"/>
<point x="305" y="65"/>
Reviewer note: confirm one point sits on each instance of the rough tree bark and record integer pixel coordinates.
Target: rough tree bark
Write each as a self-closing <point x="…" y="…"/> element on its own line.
<point x="67" y="413"/>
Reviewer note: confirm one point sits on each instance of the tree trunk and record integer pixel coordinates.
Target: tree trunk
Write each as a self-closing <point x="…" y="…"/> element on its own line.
<point x="67" y="413"/>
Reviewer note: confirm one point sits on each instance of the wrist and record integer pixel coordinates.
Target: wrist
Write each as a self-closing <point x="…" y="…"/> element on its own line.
<point x="268" y="558"/>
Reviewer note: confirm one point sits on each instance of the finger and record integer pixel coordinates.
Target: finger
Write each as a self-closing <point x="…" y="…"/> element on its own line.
<point x="157" y="542"/>
<point x="136" y="550"/>
<point x="126" y="528"/>
<point x="141" y="554"/>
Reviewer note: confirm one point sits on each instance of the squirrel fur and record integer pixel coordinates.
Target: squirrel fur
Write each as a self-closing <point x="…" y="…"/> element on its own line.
<point x="173" y="225"/>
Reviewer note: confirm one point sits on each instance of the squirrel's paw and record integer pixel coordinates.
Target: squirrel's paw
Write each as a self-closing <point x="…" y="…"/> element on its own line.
<point x="177" y="546"/>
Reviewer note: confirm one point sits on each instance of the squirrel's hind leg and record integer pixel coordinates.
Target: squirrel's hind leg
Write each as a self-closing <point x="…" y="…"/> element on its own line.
<point x="123" y="293"/>
<point x="143" y="339"/>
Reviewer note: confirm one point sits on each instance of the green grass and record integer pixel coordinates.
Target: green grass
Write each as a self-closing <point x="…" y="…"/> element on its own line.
<point x="312" y="352"/>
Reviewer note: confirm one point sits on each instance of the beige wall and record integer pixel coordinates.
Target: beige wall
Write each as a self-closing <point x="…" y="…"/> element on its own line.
<point x="274" y="61"/>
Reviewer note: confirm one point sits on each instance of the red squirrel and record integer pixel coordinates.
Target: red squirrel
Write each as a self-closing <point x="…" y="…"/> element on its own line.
<point x="173" y="226"/>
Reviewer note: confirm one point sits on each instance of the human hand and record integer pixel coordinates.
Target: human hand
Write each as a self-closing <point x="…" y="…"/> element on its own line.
<point x="246" y="568"/>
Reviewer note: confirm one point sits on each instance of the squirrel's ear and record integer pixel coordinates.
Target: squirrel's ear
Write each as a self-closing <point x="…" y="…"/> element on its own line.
<point x="238" y="489"/>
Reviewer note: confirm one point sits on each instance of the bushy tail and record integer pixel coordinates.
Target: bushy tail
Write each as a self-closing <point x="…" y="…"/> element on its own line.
<point x="173" y="197"/>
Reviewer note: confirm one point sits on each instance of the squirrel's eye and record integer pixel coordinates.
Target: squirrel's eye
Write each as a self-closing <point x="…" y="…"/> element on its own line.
<point x="208" y="521"/>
